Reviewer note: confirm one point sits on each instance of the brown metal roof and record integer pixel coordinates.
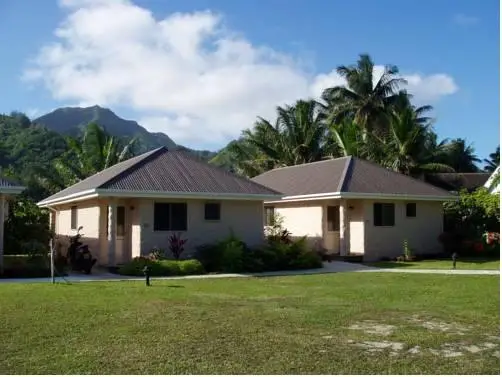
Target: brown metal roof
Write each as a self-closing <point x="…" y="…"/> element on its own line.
<point x="345" y="175"/>
<point x="163" y="170"/>
<point x="315" y="178"/>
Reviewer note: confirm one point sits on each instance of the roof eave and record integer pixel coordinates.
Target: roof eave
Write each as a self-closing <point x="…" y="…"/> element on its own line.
<point x="349" y="195"/>
<point x="13" y="190"/>
<point x="79" y="196"/>
<point x="185" y="195"/>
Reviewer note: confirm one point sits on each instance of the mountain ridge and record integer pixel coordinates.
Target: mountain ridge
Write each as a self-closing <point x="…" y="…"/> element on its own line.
<point x="72" y="121"/>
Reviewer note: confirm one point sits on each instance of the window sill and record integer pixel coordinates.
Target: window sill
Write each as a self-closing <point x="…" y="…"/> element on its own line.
<point x="169" y="231"/>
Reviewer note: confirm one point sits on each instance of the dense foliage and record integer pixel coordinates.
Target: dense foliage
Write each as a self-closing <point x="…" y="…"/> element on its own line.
<point x="474" y="213"/>
<point x="231" y="255"/>
<point x="27" y="228"/>
<point x="472" y="224"/>
<point x="370" y="117"/>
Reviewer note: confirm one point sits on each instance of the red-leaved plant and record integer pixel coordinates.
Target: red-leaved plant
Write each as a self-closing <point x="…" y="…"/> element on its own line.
<point x="177" y="245"/>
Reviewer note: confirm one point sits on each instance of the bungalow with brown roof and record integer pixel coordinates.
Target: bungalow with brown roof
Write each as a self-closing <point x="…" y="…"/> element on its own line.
<point x="8" y="190"/>
<point x="352" y="206"/>
<point x="134" y="206"/>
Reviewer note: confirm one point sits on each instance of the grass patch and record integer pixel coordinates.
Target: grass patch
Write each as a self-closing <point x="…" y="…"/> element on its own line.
<point x="283" y="325"/>
<point x="443" y="264"/>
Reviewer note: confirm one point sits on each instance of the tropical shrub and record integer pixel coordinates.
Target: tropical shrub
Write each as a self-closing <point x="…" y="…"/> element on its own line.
<point x="190" y="267"/>
<point x="163" y="267"/>
<point x="177" y="245"/>
<point x="27" y="228"/>
<point x="468" y="221"/>
<point x="290" y="256"/>
<point x="24" y="266"/>
<point x="226" y="255"/>
<point x="474" y="213"/>
<point x="233" y="255"/>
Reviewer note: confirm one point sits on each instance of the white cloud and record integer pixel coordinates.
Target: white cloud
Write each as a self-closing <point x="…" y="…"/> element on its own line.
<point x="425" y="89"/>
<point x="33" y="112"/>
<point x="465" y="20"/>
<point x="186" y="74"/>
<point x="430" y="88"/>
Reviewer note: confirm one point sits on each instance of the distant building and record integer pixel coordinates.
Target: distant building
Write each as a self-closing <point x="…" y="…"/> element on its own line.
<point x="454" y="182"/>
<point x="493" y="182"/>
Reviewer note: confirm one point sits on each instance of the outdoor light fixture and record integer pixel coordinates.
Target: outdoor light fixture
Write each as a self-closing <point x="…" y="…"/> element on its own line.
<point x="146" y="271"/>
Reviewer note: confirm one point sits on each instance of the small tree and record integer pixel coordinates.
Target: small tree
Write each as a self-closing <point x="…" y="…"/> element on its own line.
<point x="276" y="231"/>
<point x="27" y="228"/>
<point x="474" y="213"/>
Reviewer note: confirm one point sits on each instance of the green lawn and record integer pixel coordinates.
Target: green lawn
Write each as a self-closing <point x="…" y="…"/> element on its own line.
<point x="346" y="323"/>
<point x="466" y="264"/>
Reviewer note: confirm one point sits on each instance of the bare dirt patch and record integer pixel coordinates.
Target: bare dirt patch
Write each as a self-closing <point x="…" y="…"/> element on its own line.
<point x="372" y="327"/>
<point x="491" y="343"/>
<point x="452" y="328"/>
<point x="384" y="345"/>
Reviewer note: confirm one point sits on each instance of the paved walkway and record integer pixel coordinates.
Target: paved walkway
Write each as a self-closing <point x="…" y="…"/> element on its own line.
<point x="333" y="267"/>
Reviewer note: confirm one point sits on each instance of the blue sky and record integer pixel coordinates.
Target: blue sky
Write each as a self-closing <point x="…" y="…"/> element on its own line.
<point x="201" y="71"/>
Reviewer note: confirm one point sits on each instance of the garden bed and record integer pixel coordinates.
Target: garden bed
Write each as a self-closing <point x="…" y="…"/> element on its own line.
<point x="25" y="266"/>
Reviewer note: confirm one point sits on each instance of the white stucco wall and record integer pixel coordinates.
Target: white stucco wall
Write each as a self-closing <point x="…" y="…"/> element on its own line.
<point x="243" y="218"/>
<point x="301" y="219"/>
<point x="422" y="231"/>
<point x="88" y="216"/>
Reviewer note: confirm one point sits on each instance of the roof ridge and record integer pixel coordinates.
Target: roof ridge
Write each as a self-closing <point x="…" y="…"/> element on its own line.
<point x="402" y="175"/>
<point x="189" y="155"/>
<point x="343" y="178"/>
<point x="304" y="164"/>
<point x="146" y="157"/>
<point x="139" y="157"/>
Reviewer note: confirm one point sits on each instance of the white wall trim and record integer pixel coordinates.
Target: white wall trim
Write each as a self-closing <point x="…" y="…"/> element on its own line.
<point x="345" y="195"/>
<point x="69" y="198"/>
<point x="98" y="193"/>
<point x="433" y="198"/>
<point x="184" y="195"/>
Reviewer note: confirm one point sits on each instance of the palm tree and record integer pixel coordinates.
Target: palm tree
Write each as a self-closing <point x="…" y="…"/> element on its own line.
<point x="348" y="139"/>
<point x="460" y="156"/>
<point x="242" y="158"/>
<point x="409" y="147"/>
<point x="493" y="161"/>
<point x="95" y="151"/>
<point x="361" y="101"/>
<point x="298" y="136"/>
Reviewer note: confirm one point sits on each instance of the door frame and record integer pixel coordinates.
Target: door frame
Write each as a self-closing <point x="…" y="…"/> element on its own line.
<point x="331" y="239"/>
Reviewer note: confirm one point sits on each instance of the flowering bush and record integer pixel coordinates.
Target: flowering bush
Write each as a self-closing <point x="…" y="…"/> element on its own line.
<point x="492" y="238"/>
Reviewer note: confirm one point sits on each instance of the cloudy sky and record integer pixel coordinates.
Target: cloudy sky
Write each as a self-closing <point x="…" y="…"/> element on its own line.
<point x="202" y="71"/>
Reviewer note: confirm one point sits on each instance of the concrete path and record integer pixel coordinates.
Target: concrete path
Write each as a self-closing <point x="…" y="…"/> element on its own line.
<point x="333" y="267"/>
<point x="437" y="271"/>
